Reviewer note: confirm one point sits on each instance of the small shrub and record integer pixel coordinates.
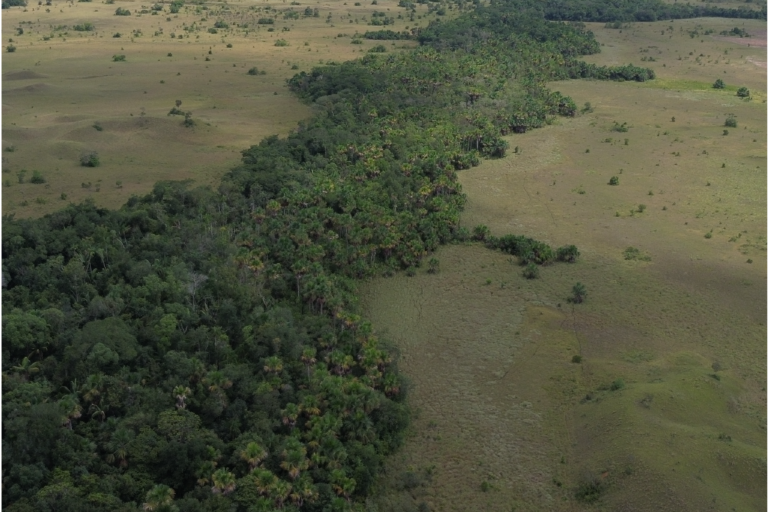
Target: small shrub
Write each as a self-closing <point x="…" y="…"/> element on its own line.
<point x="531" y="271"/>
<point x="708" y="235"/>
<point x="622" y="128"/>
<point x="617" y="385"/>
<point x="118" y="58"/>
<point x="213" y="31"/>
<point x="434" y="266"/>
<point x="719" y="84"/>
<point x="229" y="45"/>
<point x="567" y="253"/>
<point x="576" y="359"/>
<point x="10" y="149"/>
<point x="90" y="159"/>
<point x="731" y="122"/>
<point x="357" y="41"/>
<point x="579" y="293"/>
<point x="63" y="196"/>
<point x="281" y="42"/>
<point x="117" y="34"/>
<point x="20" y="175"/>
<point x="10" y="48"/>
<point x="641" y="208"/>
<point x="743" y="92"/>
<point x="480" y="232"/>
<point x="725" y="132"/>
<point x="634" y="254"/>
<point x="379" y="48"/>
<point x="122" y="12"/>
<point x="485" y="486"/>
<point x="37" y="178"/>
<point x="614" y="180"/>
<point x="97" y="127"/>
<point x="589" y="492"/>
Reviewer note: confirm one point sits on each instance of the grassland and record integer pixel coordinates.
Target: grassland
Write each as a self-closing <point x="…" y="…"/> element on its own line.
<point x="63" y="94"/>
<point x="666" y="410"/>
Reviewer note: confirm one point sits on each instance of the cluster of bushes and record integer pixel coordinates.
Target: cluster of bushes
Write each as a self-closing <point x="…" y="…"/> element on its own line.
<point x="388" y="35"/>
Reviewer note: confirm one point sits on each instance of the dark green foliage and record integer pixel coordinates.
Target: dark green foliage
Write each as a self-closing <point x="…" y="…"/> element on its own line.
<point x="389" y="35"/>
<point x="731" y="122"/>
<point x="631" y="10"/>
<point x="719" y="84"/>
<point x="90" y="159"/>
<point x="743" y="92"/>
<point x="7" y="4"/>
<point x="614" y="180"/>
<point x="122" y="12"/>
<point x="568" y="254"/>
<point x="379" y="48"/>
<point x="576" y="359"/>
<point x="118" y="58"/>
<point x="531" y="271"/>
<point x="589" y="491"/>
<point x="37" y="178"/>
<point x="10" y="48"/>
<point x="579" y="293"/>
<point x="84" y="27"/>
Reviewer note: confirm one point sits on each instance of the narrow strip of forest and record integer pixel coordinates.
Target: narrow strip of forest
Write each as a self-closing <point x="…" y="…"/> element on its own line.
<point x="201" y="350"/>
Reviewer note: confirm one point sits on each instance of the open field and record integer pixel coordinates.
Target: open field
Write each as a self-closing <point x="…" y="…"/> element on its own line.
<point x="666" y="411"/>
<point x="60" y="83"/>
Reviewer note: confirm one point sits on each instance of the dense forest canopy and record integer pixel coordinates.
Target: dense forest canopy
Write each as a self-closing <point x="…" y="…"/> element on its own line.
<point x="201" y="350"/>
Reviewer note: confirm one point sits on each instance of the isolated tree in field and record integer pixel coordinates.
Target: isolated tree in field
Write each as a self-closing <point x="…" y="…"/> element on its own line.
<point x="743" y="92"/>
<point x="178" y="103"/>
<point x="730" y="121"/>
<point x="579" y="293"/>
<point x="719" y="84"/>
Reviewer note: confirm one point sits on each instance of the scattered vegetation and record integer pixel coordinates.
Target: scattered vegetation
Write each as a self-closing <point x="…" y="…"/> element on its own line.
<point x="90" y="159"/>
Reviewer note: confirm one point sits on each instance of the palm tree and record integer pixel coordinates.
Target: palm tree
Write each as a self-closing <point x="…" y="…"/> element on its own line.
<point x="26" y="367"/>
<point x="295" y="458"/>
<point x="273" y="364"/>
<point x="223" y="482"/>
<point x="253" y="454"/>
<point x="118" y="446"/>
<point x="160" y="497"/>
<point x="265" y="480"/>
<point x="70" y="407"/>
<point x="204" y="471"/>
<point x="290" y="415"/>
<point x="95" y="410"/>
<point x="181" y="393"/>
<point x="309" y="358"/>
<point x="280" y="492"/>
<point x="341" y="484"/>
<point x="303" y="491"/>
<point x="92" y="388"/>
